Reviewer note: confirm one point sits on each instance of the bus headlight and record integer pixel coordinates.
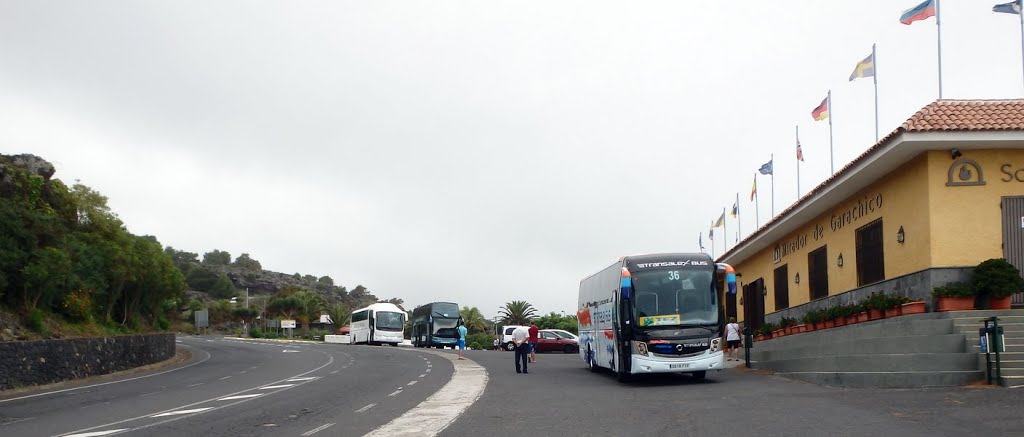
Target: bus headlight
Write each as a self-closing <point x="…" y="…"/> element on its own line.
<point x="639" y="348"/>
<point x="716" y="344"/>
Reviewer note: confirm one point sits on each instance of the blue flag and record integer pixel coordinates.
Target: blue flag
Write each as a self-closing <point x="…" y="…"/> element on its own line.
<point x="766" y="169"/>
<point x="1008" y="8"/>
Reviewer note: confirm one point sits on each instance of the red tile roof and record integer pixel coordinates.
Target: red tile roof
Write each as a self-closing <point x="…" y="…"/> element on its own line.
<point x="938" y="116"/>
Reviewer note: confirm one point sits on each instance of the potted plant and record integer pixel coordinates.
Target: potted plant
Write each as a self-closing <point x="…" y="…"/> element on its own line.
<point x="997" y="279"/>
<point x="955" y="296"/>
<point x="838" y="315"/>
<point x="788" y="324"/>
<point x="828" y="316"/>
<point x="813" y="320"/>
<point x="894" y="305"/>
<point x="912" y="307"/>
<point x="765" y="332"/>
<point x="874" y="306"/>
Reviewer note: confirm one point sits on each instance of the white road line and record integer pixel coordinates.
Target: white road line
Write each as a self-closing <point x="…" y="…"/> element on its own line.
<point x="269" y="387"/>
<point x="423" y="375"/>
<point x="149" y="394"/>
<point x="180" y="412"/>
<point x="433" y="415"/>
<point x="428" y="370"/>
<point x="412" y="383"/>
<point x="231" y="398"/>
<point x="196" y="384"/>
<point x="365" y="408"/>
<point x="30" y="418"/>
<point x="395" y="393"/>
<point x="308" y="378"/>
<point x="244" y="371"/>
<point x="226" y="377"/>
<point x="97" y="433"/>
<point x="333" y="372"/>
<point x="317" y="429"/>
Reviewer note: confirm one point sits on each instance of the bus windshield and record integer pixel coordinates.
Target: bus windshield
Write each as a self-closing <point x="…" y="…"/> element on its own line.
<point x="389" y="320"/>
<point x="674" y="297"/>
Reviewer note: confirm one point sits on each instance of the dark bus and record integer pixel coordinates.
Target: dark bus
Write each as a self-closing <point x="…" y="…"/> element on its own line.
<point x="435" y="324"/>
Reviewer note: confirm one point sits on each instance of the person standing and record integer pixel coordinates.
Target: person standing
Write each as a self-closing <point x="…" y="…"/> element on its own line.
<point x="462" y="340"/>
<point x="534" y="331"/>
<point x="497" y="344"/>
<point x="732" y="336"/>
<point x="519" y="337"/>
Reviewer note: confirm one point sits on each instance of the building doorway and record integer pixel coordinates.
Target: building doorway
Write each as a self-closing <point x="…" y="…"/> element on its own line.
<point x="753" y="304"/>
<point x="1013" y="238"/>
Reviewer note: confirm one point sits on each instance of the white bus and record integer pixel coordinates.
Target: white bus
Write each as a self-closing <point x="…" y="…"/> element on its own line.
<point x="377" y="324"/>
<point x="653" y="314"/>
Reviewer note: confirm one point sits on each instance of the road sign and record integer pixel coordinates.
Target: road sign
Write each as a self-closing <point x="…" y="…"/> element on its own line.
<point x="288" y="324"/>
<point x="202" y="318"/>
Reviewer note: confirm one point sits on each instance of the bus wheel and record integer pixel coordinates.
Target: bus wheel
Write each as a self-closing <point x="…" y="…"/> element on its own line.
<point x="591" y="361"/>
<point x="623" y="376"/>
<point x="700" y="376"/>
<point x="510" y="346"/>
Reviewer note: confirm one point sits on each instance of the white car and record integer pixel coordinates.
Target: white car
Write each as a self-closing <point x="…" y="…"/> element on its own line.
<point x="506" y="336"/>
<point x="562" y="333"/>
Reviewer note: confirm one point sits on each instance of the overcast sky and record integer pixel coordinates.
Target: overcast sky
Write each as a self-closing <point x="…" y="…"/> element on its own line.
<point x="476" y="152"/>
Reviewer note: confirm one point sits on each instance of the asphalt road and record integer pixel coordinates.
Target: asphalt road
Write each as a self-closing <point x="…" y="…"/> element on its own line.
<point x="560" y="397"/>
<point x="241" y="388"/>
<point x="261" y="388"/>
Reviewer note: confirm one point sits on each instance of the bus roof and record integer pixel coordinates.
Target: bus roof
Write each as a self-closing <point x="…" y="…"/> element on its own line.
<point x="381" y="306"/>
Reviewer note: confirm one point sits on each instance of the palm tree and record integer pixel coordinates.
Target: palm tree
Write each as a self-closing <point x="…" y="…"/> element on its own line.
<point x="310" y="305"/>
<point x="517" y="312"/>
<point x="473" y="319"/>
<point x="340" y="314"/>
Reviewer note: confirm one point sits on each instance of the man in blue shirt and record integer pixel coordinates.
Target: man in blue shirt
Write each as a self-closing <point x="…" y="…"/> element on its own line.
<point x="462" y="340"/>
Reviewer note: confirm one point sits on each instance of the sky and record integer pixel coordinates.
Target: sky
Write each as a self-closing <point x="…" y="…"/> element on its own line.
<point x="467" y="151"/>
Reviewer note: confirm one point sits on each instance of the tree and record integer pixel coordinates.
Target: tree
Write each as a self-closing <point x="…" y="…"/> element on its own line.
<point x="309" y="306"/>
<point x="244" y="262"/>
<point x="517" y="312"/>
<point x="202" y="279"/>
<point x="223" y="288"/>
<point x="473" y="319"/>
<point x="325" y="280"/>
<point x="217" y="258"/>
<point x="339" y="313"/>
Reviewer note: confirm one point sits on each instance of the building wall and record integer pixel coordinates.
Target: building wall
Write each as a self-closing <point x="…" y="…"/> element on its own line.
<point x="898" y="199"/>
<point x="967" y="220"/>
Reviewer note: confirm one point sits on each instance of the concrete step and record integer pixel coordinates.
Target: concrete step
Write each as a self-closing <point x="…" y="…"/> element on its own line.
<point x="981" y="320"/>
<point x="1013" y="381"/>
<point x="889" y="379"/>
<point x="1010" y="347"/>
<point x="980" y="314"/>
<point x="1008" y="328"/>
<point x="935" y="362"/>
<point x="884" y="328"/>
<point x="911" y="344"/>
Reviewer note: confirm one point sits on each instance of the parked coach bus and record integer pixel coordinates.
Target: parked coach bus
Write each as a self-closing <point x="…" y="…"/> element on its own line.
<point x="435" y="324"/>
<point x="377" y="324"/>
<point x="653" y="314"/>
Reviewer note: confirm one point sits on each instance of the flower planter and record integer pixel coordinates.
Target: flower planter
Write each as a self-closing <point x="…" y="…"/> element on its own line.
<point x="875" y="314"/>
<point x="912" y="308"/>
<point x="852" y="320"/>
<point x="892" y="312"/>
<point x="819" y="325"/>
<point x="829" y="324"/>
<point x="789" y="330"/>
<point x="956" y="303"/>
<point x="760" y="337"/>
<point x="778" y="333"/>
<point x="839" y="321"/>
<point x="862" y="317"/>
<point x="801" y="328"/>
<point x="999" y="303"/>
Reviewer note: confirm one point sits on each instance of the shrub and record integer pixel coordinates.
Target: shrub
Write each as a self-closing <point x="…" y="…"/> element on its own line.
<point x="256" y="333"/>
<point x="997" y="278"/>
<point x="787" y="322"/>
<point x="954" y="289"/>
<point x="77" y="305"/>
<point x="35" y="321"/>
<point x="318" y="332"/>
<point x="480" y="341"/>
<point x="162" y="323"/>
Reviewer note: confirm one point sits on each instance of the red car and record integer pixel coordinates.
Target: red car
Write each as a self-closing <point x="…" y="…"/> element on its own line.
<point x="551" y="342"/>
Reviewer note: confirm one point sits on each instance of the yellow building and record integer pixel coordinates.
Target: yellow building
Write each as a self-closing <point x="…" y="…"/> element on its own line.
<point x="920" y="209"/>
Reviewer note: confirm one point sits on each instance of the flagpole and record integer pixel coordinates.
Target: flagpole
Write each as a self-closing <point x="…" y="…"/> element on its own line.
<point x="874" y="59"/>
<point x="798" y="162"/>
<point x="739" y="227"/>
<point x="757" y="207"/>
<point x="1020" y="14"/>
<point x="831" y="158"/>
<point x="938" y="28"/>
<point x="725" y="230"/>
<point x="773" y="184"/>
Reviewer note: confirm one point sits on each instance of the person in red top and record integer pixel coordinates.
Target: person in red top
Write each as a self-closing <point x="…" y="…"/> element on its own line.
<point x="534" y="330"/>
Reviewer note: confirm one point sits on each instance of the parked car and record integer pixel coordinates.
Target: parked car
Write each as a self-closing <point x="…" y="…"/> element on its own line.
<point x="563" y="333"/>
<point x="506" y="337"/>
<point x="548" y="341"/>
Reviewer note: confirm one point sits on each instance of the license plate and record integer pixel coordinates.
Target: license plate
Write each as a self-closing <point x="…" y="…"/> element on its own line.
<point x="679" y="366"/>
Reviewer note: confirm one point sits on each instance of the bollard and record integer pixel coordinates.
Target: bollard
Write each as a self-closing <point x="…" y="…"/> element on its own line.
<point x="748" y="342"/>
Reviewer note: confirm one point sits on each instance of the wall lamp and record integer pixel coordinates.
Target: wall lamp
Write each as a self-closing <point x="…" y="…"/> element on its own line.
<point x="901" y="236"/>
<point x="797" y="278"/>
<point x="839" y="261"/>
<point x="955" y="153"/>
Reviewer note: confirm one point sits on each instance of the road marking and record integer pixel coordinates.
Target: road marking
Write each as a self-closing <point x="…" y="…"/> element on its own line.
<point x="308" y="378"/>
<point x="428" y="370"/>
<point x="226" y="377"/>
<point x="317" y="429"/>
<point x="231" y="398"/>
<point x="290" y="350"/>
<point x="180" y="412"/>
<point x="412" y="383"/>
<point x="365" y="408"/>
<point x="421" y="376"/>
<point x="149" y="394"/>
<point x="269" y="387"/>
<point x="395" y="392"/>
<point x="438" y="411"/>
<point x="30" y="418"/>
<point x="97" y="433"/>
<point x="244" y="371"/>
<point x="196" y="384"/>
<point x="333" y="372"/>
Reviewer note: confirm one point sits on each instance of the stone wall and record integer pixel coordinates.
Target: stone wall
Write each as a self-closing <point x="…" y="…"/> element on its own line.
<point x="26" y="363"/>
<point x="917" y="286"/>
